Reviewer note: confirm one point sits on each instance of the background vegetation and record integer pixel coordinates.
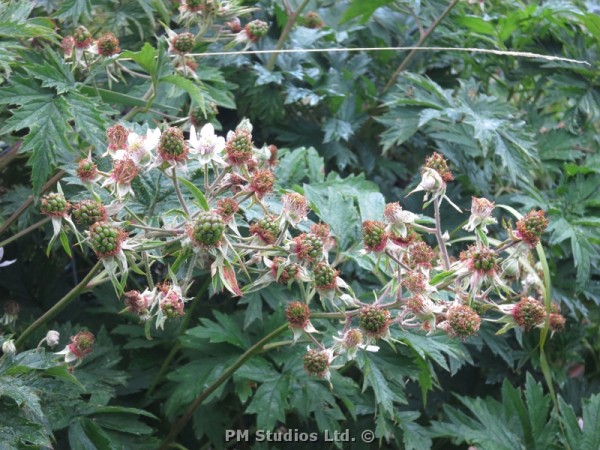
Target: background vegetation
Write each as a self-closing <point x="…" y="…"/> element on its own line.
<point x="520" y="131"/>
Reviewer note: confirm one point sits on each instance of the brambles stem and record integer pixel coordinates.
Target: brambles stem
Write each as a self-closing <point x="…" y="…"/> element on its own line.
<point x="286" y="31"/>
<point x="27" y="230"/>
<point x="29" y="201"/>
<point x="420" y="43"/>
<point x="183" y="420"/>
<point x="61" y="304"/>
<point x="438" y="233"/>
<point x="178" y="191"/>
<point x="184" y="324"/>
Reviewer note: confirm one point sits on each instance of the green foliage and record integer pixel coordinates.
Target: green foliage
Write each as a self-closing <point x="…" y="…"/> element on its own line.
<point x="521" y="131"/>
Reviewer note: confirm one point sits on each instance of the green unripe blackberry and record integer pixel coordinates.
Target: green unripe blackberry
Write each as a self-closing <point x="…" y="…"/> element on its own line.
<point x="308" y="247"/>
<point x="87" y="170"/>
<point x="288" y="271"/>
<point x="374" y="235"/>
<point x="106" y="239"/>
<point x="257" y="29"/>
<point x="324" y="276"/>
<point x="463" y="321"/>
<point x="266" y="230"/>
<point x="374" y="320"/>
<point x="531" y="227"/>
<point x="54" y="204"/>
<point x="208" y="230"/>
<point x="172" y="146"/>
<point x="88" y="212"/>
<point x="108" y="45"/>
<point x="199" y="117"/>
<point x="316" y="363"/>
<point x="239" y="147"/>
<point x="529" y="313"/>
<point x="183" y="43"/>
<point x="196" y="5"/>
<point x="483" y="259"/>
<point x="297" y="314"/>
<point x="83" y="38"/>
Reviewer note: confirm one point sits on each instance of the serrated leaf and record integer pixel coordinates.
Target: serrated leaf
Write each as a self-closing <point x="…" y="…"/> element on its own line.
<point x="270" y="402"/>
<point x="224" y="330"/>
<point x="374" y="378"/>
<point x="190" y="87"/>
<point x="362" y="9"/>
<point x="52" y="72"/>
<point x="145" y="58"/>
<point x="74" y="10"/>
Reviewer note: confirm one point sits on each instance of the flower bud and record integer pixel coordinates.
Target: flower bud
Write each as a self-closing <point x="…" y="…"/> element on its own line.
<point x="52" y="338"/>
<point x="431" y="181"/>
<point x="8" y="347"/>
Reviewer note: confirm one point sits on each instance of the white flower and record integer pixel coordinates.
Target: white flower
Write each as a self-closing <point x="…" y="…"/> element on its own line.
<point x="5" y="263"/>
<point x="207" y="145"/>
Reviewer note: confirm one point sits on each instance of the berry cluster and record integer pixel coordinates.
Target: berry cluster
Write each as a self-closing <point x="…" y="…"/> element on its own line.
<point x="297" y="314"/>
<point x="54" y="205"/>
<point x="531" y="227"/>
<point x="266" y="229"/>
<point x="106" y="240"/>
<point x="317" y="362"/>
<point x="208" y="229"/>
<point x="374" y="321"/>
<point x="88" y="212"/>
<point x="172" y="146"/>
<point x="374" y="236"/>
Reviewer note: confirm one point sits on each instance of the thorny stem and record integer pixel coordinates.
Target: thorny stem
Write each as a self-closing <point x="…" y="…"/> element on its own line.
<point x="178" y="191"/>
<point x="62" y="303"/>
<point x="158" y="230"/>
<point x="183" y="420"/>
<point x="29" y="201"/>
<point x="438" y="233"/>
<point x="286" y="31"/>
<point x="396" y="260"/>
<point x="182" y="327"/>
<point x="27" y="230"/>
<point x="420" y="43"/>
